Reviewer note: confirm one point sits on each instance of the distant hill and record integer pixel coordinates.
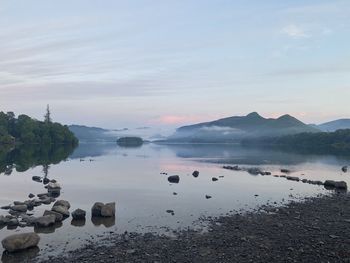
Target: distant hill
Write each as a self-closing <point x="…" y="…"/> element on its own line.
<point x="236" y="128"/>
<point x="92" y="134"/>
<point x="335" y="125"/>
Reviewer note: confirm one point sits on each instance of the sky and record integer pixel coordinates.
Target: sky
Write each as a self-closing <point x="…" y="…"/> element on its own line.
<point x="167" y="63"/>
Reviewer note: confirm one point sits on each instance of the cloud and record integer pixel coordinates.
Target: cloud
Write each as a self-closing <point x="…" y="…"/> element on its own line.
<point x="295" y="31"/>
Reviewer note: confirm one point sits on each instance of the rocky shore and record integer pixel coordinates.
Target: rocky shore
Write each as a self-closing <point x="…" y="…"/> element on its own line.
<point x="315" y="230"/>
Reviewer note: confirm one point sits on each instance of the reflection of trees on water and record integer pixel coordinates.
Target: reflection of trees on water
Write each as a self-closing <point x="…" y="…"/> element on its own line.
<point x="24" y="157"/>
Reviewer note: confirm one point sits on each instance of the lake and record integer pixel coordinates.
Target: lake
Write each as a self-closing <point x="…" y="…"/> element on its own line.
<point x="132" y="177"/>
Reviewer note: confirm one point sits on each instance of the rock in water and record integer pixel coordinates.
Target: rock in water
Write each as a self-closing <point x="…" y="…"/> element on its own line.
<point x="58" y="216"/>
<point x="20" y="241"/>
<point x="174" y="179"/>
<point x="344" y="169"/>
<point x="214" y="179"/>
<point x="19" y="208"/>
<point x="45" y="221"/>
<point x="96" y="209"/>
<point x="61" y="209"/>
<point x="79" y="214"/>
<point x="195" y="174"/>
<point x="104" y="210"/>
<point x="108" y="210"/>
<point x="62" y="203"/>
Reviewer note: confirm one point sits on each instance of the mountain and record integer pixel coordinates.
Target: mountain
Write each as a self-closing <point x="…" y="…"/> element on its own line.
<point x="236" y="128"/>
<point x="92" y="134"/>
<point x="335" y="125"/>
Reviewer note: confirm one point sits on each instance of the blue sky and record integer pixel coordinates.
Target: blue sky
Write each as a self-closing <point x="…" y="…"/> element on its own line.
<point x="158" y="63"/>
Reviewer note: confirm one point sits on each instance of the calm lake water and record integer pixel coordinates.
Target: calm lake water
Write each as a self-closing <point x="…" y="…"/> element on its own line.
<point x="132" y="178"/>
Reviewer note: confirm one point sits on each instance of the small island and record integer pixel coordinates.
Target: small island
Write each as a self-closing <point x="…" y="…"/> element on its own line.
<point x="130" y="141"/>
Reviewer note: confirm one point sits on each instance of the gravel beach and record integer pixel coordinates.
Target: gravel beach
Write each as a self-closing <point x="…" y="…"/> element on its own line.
<point x="314" y="230"/>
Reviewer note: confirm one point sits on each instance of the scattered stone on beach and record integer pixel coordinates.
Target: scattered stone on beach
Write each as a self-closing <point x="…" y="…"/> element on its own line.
<point x="62" y="203"/>
<point x="344" y="169"/>
<point x="174" y="179"/>
<point x="45" y="221"/>
<point x="58" y="216"/>
<point x="207" y="196"/>
<point x="293" y="178"/>
<point x="103" y="210"/>
<point x="19" y="242"/>
<point x="108" y="210"/>
<point x="4" y="220"/>
<point x="46" y="180"/>
<point x="19" y="208"/>
<point x="195" y="174"/>
<point x="96" y="209"/>
<point x="330" y="184"/>
<point x="169" y="211"/>
<point x="61" y="209"/>
<point x="31" y="195"/>
<point x="214" y="179"/>
<point x="254" y="171"/>
<point x="79" y="214"/>
<point x="37" y="179"/>
<point x="13" y="222"/>
<point x="53" y="186"/>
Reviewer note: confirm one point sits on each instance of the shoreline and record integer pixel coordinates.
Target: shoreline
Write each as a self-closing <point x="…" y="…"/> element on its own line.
<point x="314" y="230"/>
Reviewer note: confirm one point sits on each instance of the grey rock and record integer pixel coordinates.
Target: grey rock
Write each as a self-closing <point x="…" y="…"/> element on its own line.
<point x="19" y="208"/>
<point x="61" y="209"/>
<point x="195" y="174"/>
<point x="174" y="179"/>
<point x="31" y="195"/>
<point x="344" y="169"/>
<point x="96" y="209"/>
<point x="4" y="220"/>
<point x="62" y="203"/>
<point x="214" y="179"/>
<point x="108" y="210"/>
<point x="20" y="241"/>
<point x="45" y="221"/>
<point x="58" y="216"/>
<point x="79" y="214"/>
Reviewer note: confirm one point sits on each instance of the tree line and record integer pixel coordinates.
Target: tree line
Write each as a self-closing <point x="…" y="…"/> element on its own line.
<point x="26" y="130"/>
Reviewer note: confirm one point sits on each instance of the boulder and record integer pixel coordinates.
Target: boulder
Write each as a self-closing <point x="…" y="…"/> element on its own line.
<point x="4" y="220"/>
<point x="104" y="210"/>
<point x="174" y="179"/>
<point x="61" y="209"/>
<point x="46" y="180"/>
<point x="214" y="179"/>
<point x="96" y="209"/>
<point x="79" y="214"/>
<point x="37" y="179"/>
<point x="293" y="178"/>
<point x="20" y="242"/>
<point x="31" y="195"/>
<point x="62" y="203"/>
<point x="195" y="174"/>
<point x="53" y="186"/>
<point x="341" y="185"/>
<point x="13" y="222"/>
<point x="108" y="210"/>
<point x="45" y="221"/>
<point x="58" y="216"/>
<point x="344" y="169"/>
<point x="19" y="208"/>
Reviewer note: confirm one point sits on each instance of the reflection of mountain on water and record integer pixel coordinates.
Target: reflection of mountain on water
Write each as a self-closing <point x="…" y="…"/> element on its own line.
<point x="236" y="154"/>
<point x="24" y="157"/>
<point x="92" y="150"/>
